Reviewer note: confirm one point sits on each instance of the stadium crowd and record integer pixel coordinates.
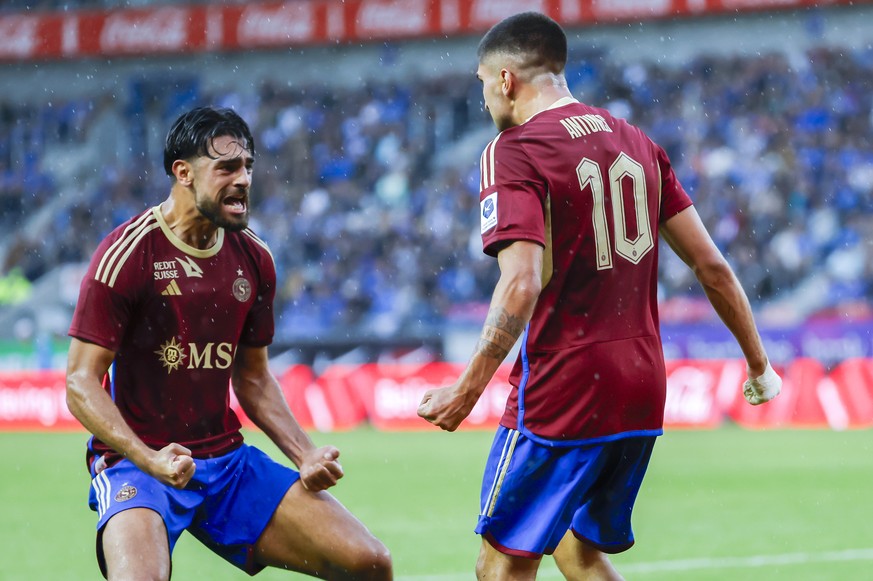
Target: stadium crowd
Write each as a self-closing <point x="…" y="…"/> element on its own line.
<point x="369" y="196"/>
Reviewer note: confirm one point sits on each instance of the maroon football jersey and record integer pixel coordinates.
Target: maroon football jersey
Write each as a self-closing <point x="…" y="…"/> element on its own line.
<point x="591" y="189"/>
<point x="175" y="316"/>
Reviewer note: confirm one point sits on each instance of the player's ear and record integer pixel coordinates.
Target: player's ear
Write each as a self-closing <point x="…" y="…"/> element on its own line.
<point x="183" y="172"/>
<point x="508" y="83"/>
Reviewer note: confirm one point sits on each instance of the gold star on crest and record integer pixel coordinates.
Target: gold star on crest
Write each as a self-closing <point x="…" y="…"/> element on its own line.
<point x="172" y="354"/>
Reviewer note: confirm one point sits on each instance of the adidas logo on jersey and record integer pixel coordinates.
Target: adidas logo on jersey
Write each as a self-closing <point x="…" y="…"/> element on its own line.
<point x="172" y="289"/>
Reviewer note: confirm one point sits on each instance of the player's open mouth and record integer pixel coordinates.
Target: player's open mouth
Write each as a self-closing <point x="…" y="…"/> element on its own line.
<point x="236" y="205"/>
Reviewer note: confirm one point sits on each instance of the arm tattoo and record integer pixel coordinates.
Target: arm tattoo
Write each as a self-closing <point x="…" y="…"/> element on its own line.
<point x="501" y="319"/>
<point x="499" y="333"/>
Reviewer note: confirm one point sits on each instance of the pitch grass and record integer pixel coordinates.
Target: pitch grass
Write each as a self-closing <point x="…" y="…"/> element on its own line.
<point x="712" y="501"/>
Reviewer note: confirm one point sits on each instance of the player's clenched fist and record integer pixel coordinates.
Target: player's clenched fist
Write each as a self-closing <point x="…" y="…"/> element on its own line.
<point x="320" y="469"/>
<point x="446" y="407"/>
<point x="761" y="389"/>
<point x="173" y="465"/>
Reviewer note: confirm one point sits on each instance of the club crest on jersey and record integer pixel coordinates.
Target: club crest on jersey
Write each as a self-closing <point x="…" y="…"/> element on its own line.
<point x="242" y="289"/>
<point x="171" y="355"/>
<point x="488" y="212"/>
<point x="126" y="493"/>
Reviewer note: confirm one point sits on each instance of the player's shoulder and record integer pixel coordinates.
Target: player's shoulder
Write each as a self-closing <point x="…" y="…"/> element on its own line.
<point x="507" y="143"/>
<point x="621" y="127"/>
<point x="133" y="229"/>
<point x="119" y="248"/>
<point x="248" y="239"/>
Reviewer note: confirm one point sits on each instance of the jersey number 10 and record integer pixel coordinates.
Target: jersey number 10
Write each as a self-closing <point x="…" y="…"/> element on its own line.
<point x="623" y="168"/>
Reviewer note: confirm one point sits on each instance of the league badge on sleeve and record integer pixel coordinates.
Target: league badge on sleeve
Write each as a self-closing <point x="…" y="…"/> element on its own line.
<point x="488" y="212"/>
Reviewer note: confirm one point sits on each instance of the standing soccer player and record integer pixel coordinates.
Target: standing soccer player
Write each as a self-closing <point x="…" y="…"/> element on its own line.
<point x="572" y="203"/>
<point x="175" y="307"/>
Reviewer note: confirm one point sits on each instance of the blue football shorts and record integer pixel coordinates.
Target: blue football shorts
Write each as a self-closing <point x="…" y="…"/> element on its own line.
<point x="532" y="494"/>
<point x="226" y="505"/>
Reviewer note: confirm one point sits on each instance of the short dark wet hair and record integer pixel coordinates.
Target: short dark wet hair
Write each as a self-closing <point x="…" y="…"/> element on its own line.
<point x="193" y="132"/>
<point x="535" y="37"/>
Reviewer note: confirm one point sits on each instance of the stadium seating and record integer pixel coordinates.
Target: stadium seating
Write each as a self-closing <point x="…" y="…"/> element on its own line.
<point x="368" y="195"/>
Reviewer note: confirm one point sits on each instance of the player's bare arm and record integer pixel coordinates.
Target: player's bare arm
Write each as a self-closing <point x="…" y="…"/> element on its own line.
<point x="261" y="398"/>
<point x="87" y="363"/>
<point x="687" y="236"/>
<point x="500" y="332"/>
<point x="512" y="305"/>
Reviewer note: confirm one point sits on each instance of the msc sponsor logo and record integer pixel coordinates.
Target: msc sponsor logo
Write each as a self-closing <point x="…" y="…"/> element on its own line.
<point x="211" y="356"/>
<point x="171" y="354"/>
<point x="174" y="355"/>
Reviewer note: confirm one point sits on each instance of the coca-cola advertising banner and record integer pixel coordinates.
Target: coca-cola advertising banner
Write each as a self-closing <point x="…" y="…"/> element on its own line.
<point x="700" y="394"/>
<point x="184" y="29"/>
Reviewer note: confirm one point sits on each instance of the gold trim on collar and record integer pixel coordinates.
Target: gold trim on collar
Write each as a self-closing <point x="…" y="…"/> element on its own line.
<point x="187" y="248"/>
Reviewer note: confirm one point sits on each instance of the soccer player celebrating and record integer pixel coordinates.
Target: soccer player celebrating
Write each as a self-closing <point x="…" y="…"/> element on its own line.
<point x="178" y="302"/>
<point x="572" y="203"/>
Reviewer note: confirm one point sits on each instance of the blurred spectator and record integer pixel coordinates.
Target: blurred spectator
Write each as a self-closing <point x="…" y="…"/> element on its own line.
<point x="367" y="196"/>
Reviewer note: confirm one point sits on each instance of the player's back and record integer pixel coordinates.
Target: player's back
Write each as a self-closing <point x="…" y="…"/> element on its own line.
<point x="604" y="188"/>
<point x="594" y="333"/>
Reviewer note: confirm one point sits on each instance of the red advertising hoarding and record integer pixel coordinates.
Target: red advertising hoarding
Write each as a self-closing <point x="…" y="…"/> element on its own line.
<point x="700" y="394"/>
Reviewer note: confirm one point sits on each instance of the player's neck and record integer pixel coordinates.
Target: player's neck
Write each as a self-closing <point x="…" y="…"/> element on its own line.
<point x="538" y="98"/>
<point x="188" y="224"/>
